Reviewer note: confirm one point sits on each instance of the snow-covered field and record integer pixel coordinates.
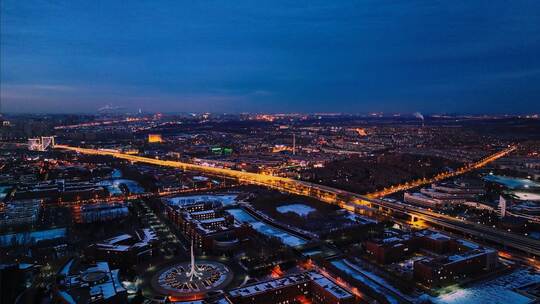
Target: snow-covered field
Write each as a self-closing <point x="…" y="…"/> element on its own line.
<point x="285" y="237"/>
<point x="497" y="291"/>
<point x="300" y="209"/>
<point x="225" y="200"/>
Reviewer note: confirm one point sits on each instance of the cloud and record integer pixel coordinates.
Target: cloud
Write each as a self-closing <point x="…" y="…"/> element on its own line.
<point x="314" y="55"/>
<point x="65" y="98"/>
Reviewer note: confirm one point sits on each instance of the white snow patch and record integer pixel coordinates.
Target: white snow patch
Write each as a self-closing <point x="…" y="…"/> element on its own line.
<point x="300" y="209"/>
<point x="285" y="237"/>
<point x="225" y="200"/>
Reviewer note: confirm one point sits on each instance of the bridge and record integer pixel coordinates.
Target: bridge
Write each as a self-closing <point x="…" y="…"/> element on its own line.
<point x="349" y="200"/>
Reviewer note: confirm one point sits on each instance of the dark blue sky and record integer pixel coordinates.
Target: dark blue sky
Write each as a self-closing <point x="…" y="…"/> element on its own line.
<point x="233" y="56"/>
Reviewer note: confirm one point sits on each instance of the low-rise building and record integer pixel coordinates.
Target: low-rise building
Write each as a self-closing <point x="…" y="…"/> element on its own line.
<point x="17" y="213"/>
<point x="125" y="250"/>
<point x="436" y="271"/>
<point x="310" y="287"/>
<point x="447" y="259"/>
<point x="207" y="224"/>
<point x="423" y="200"/>
<point x="79" y="282"/>
<point x="393" y="246"/>
<point x="100" y="212"/>
<point x="61" y="189"/>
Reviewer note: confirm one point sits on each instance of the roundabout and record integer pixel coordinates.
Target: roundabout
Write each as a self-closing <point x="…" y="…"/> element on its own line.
<point x="175" y="280"/>
<point x="191" y="280"/>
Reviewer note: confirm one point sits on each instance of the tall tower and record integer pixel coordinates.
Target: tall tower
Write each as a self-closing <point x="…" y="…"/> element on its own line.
<point x="502" y="206"/>
<point x="193" y="272"/>
<point x="294" y="144"/>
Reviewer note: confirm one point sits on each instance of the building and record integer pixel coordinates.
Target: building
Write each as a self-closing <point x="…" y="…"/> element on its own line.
<point x="446" y="197"/>
<point x="423" y="200"/>
<point x="60" y="189"/>
<point x="461" y="189"/>
<point x="100" y="212"/>
<point x="155" y="138"/>
<point x="307" y="287"/>
<point x="502" y="206"/>
<point x="126" y="250"/>
<point x="18" y="213"/>
<point x="444" y="194"/>
<point x="207" y="224"/>
<point x="467" y="259"/>
<point x="41" y="144"/>
<point x="436" y="242"/>
<point x="34" y="144"/>
<point x="446" y="259"/>
<point x="392" y="247"/>
<point x="96" y="283"/>
<point x="526" y="207"/>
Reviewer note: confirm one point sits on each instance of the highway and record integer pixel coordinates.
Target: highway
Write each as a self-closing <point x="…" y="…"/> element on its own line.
<point x="347" y="199"/>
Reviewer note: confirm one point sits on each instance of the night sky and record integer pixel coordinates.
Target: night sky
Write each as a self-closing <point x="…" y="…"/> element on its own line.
<point x="271" y="56"/>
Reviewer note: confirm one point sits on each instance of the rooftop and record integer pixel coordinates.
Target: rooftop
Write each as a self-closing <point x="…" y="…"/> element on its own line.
<point x="88" y="283"/>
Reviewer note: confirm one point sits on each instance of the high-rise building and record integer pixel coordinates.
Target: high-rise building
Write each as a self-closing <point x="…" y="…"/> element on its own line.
<point x="41" y="144"/>
<point x="502" y="206"/>
<point x="34" y="144"/>
<point x="47" y="142"/>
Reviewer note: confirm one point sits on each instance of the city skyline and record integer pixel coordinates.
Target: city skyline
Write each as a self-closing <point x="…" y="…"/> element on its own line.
<point x="266" y="209"/>
<point x="270" y="57"/>
<point x="269" y="152"/>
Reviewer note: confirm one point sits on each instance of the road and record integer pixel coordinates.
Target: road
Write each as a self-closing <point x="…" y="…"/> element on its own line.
<point x="443" y="175"/>
<point x="350" y="200"/>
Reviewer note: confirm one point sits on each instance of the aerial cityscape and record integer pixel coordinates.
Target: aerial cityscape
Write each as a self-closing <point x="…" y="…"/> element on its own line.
<point x="242" y="152"/>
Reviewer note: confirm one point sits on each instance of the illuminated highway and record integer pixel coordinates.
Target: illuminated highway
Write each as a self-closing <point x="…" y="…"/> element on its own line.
<point x="351" y="200"/>
<point x="441" y="176"/>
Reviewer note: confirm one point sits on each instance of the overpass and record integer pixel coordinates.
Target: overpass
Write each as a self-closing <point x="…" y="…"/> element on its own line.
<point x="346" y="199"/>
